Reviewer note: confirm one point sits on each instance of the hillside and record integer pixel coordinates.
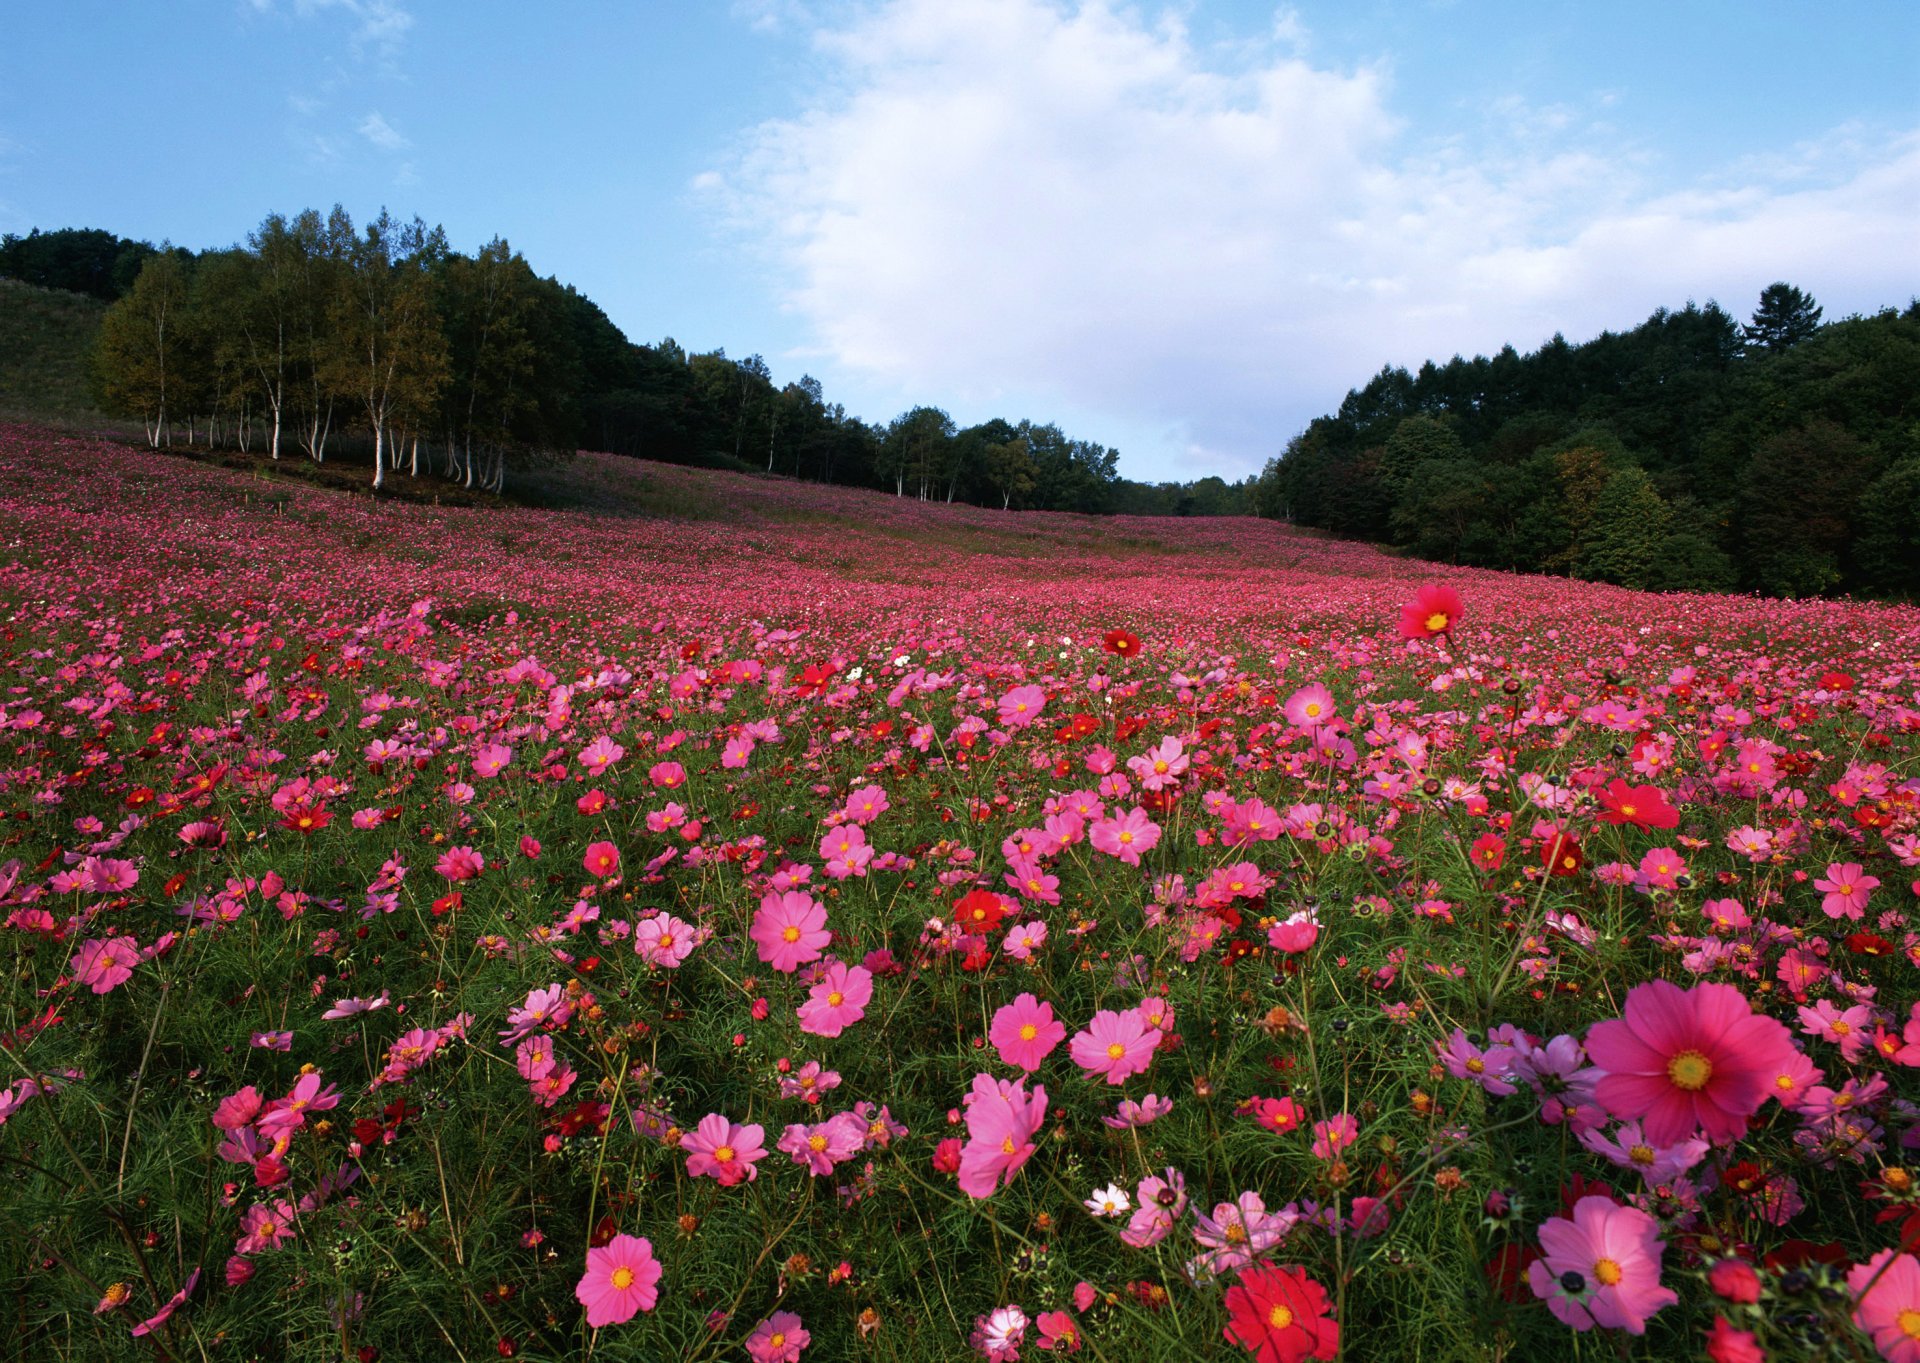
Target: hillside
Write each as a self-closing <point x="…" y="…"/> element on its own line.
<point x="45" y="336"/>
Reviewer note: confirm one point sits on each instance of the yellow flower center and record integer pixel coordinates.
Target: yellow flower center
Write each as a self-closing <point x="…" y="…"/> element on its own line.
<point x="1313" y="709"/>
<point x="1028" y="1031"/>
<point x="1476" y="1066"/>
<point x="1126" y="837"/>
<point x="835" y="999"/>
<point x="790" y="934"/>
<point x="1116" y="1051"/>
<point x="1437" y="621"/>
<point x="1910" y="1323"/>
<point x="1236" y="1234"/>
<point x="1641" y="1154"/>
<point x="723" y="1154"/>
<point x="1841" y="1028"/>
<point x="816" y="1143"/>
<point x="666" y="941"/>
<point x="1159" y="768"/>
<point x="622" y="1278"/>
<point x="776" y="1340"/>
<point x="1006" y="1146"/>
<point x="1608" y="1272"/>
<point x="1690" y="1070"/>
<point x="1279" y="1318"/>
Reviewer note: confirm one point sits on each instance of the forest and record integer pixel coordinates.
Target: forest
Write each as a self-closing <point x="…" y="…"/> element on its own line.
<point x="315" y="336"/>
<point x="1781" y="456"/>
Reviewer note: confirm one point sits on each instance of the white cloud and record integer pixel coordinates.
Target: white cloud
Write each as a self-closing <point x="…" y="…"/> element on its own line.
<point x="382" y="134"/>
<point x="1018" y="202"/>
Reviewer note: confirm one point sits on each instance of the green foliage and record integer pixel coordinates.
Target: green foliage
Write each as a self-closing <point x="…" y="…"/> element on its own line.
<point x="1627" y="534"/>
<point x="77" y="260"/>
<point x="1763" y="445"/>
<point x="46" y="341"/>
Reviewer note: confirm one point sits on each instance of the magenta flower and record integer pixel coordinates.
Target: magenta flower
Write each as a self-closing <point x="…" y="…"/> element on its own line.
<point x="726" y="1152"/>
<point x="789" y="930"/>
<point x="1889" y="1310"/>
<point x="818" y="1148"/>
<point x="838" y="1001"/>
<point x="602" y="859"/>
<point x="1687" y="1060"/>
<point x="664" y="941"/>
<point x="1025" y="1032"/>
<point x="103" y="965"/>
<point x="1602" y="1267"/>
<point x="165" y="1313"/>
<point x="1117" y="1045"/>
<point x="1848" y="888"/>
<point x="600" y="754"/>
<point x="1309" y="707"/>
<point x="622" y="1279"/>
<point x="1125" y="837"/>
<point x="460" y="863"/>
<point x="491" y="759"/>
<point x="1002" y="1120"/>
<point x="1021" y="706"/>
<point x="1334" y="1134"/>
<point x="778" y="1339"/>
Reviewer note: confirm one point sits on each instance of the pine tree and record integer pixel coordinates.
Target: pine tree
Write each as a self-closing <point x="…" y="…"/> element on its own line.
<point x="1785" y="317"/>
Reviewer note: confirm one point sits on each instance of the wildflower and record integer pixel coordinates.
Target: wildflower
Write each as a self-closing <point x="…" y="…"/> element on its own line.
<point x="1686" y="1060"/>
<point x="1021" y="706"/>
<point x="622" y="1279"/>
<point x="1002" y="1120"/>
<point x="1734" y="1280"/>
<point x="789" y="930"/>
<point x="1238" y="1231"/>
<point x="1280" y="1315"/>
<point x="602" y="859"/>
<point x="1333" y="1135"/>
<point x="724" y="1151"/>
<point x="1128" y="1114"/>
<point x="1886" y="1304"/>
<point x="173" y="1303"/>
<point x="664" y="940"/>
<point x="1848" y="888"/>
<point x="1602" y="1267"/>
<point x="600" y="754"/>
<point x="1645" y="807"/>
<point x="1025" y="1032"/>
<point x="105" y="965"/>
<point x="838" y="1001"/>
<point x="996" y="1336"/>
<point x="1116" y="1045"/>
<point x="1433" y="610"/>
<point x="818" y="1148"/>
<point x="1297" y="933"/>
<point x="1125" y="837"/>
<point x="460" y="863"/>
<point x="778" y="1339"/>
<point x="1111" y="1200"/>
<point x="1309" y="707"/>
<point x="1118" y="641"/>
<point x="1057" y="1331"/>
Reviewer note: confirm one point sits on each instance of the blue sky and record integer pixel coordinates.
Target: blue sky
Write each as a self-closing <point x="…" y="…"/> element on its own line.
<point x="1179" y="229"/>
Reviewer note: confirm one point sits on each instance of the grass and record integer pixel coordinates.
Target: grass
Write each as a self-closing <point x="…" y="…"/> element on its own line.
<point x="46" y="336"/>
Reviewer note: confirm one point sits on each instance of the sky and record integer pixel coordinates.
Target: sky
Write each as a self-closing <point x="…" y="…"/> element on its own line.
<point x="1181" y="230"/>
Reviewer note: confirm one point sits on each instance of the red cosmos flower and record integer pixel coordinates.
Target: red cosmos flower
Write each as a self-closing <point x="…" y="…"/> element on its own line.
<point x="301" y="819"/>
<point x="1279" y="1315"/>
<point x="1561" y="855"/>
<point x="1488" y="851"/>
<point x="979" y="911"/>
<point x="1644" y="807"/>
<point x="1432" y="611"/>
<point x="1120" y="642"/>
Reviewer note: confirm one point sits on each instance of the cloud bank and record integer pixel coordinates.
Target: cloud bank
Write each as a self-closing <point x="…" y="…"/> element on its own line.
<point x="1048" y="207"/>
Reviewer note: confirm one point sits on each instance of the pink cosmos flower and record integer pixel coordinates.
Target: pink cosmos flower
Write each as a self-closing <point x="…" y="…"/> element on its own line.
<point x="1125" y="837"/>
<point x="165" y="1313"/>
<point x="534" y="1057"/>
<point x="789" y="930"/>
<point x="1602" y="1267"/>
<point x="103" y="965"/>
<point x="865" y="805"/>
<point x="1334" y="1134"/>
<point x="265" y="1226"/>
<point x="664" y="940"/>
<point x="1687" y="1060"/>
<point x="819" y="1147"/>
<point x="1057" y="1331"/>
<point x="1021" y="706"/>
<point x="1844" y="1027"/>
<point x="667" y="775"/>
<point x="1491" y="1069"/>
<point x="997" y="1335"/>
<point x="1025" y="1032"/>
<point x="492" y="759"/>
<point x="600" y="754"/>
<point x="727" y="1152"/>
<point x="1002" y="1120"/>
<point x="1310" y="707"/>
<point x="1296" y="934"/>
<point x="1162" y="766"/>
<point x="1024" y="939"/>
<point x="1117" y="1045"/>
<point x="460" y="863"/>
<point x="1238" y="1232"/>
<point x="1848" y="888"/>
<point x="845" y="852"/>
<point x="778" y="1339"/>
<point x="1662" y="868"/>
<point x="238" y="1109"/>
<point x="622" y="1279"/>
<point x="602" y="859"/>
<point x="311" y="1093"/>
<point x="838" y="1001"/>
<point x="1656" y="1164"/>
<point x="346" y="1008"/>
<point x="1433" y="610"/>
<point x="1889" y="1309"/>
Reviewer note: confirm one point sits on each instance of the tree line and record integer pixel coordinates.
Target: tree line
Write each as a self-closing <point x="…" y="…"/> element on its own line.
<point x="473" y="365"/>
<point x="1691" y="452"/>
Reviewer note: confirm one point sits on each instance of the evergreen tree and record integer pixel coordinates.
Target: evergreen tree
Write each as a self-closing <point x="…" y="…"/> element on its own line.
<point x="1627" y="535"/>
<point x="1785" y="317"/>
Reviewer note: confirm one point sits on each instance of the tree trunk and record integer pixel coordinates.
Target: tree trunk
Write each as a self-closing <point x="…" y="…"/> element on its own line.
<point x="379" y="468"/>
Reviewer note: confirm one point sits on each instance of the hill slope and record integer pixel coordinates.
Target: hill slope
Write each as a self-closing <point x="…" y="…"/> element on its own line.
<point x="45" y="337"/>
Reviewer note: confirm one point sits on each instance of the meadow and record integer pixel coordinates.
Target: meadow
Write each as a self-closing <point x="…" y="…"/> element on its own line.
<point x="711" y="917"/>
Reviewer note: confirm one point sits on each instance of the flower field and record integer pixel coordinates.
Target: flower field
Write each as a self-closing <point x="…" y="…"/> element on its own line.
<point x="719" y="918"/>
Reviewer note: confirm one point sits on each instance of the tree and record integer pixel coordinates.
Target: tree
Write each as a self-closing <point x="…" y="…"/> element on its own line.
<point x="1628" y="532"/>
<point x="141" y="338"/>
<point x="1785" y="317"/>
<point x="390" y="351"/>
